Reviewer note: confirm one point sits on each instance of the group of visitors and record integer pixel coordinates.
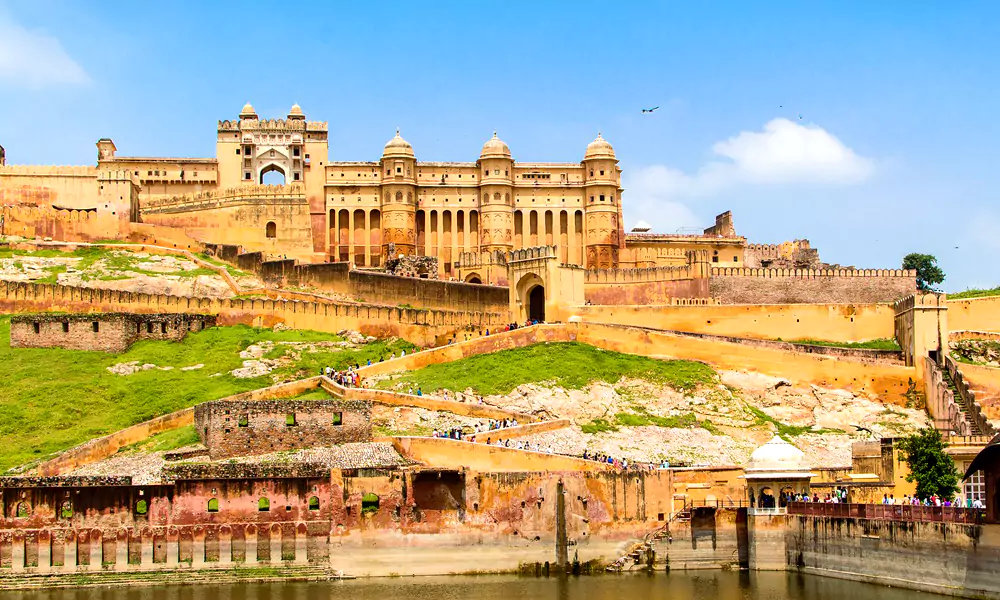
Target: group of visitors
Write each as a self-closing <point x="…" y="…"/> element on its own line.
<point x="520" y="445"/>
<point x="455" y="433"/>
<point x="348" y="378"/>
<point x="932" y="500"/>
<point x="495" y="424"/>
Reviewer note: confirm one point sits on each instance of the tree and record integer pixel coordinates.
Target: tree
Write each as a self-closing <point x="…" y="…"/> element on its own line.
<point x="932" y="469"/>
<point x="928" y="271"/>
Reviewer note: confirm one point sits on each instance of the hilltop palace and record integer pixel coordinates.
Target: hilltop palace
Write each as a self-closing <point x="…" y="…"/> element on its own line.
<point x="352" y="211"/>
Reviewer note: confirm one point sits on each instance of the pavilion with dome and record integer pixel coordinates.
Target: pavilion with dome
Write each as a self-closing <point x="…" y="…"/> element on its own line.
<point x="776" y="469"/>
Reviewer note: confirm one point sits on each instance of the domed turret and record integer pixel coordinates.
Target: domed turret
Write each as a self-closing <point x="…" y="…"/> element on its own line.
<point x="397" y="146"/>
<point x="248" y="112"/>
<point x="777" y="457"/>
<point x="295" y="114"/>
<point x="599" y="148"/>
<point x="495" y="148"/>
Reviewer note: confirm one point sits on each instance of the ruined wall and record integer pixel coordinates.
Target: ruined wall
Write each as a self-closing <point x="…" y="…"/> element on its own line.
<point x="242" y="427"/>
<point x="975" y="314"/>
<point x="793" y="286"/>
<point x="422" y="327"/>
<point x="831" y="322"/>
<point x="945" y="558"/>
<point x="107" y="332"/>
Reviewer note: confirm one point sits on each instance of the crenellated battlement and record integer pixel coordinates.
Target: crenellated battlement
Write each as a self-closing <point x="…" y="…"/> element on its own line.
<point x="469" y="260"/>
<point x="276" y="125"/>
<point x="809" y="273"/>
<point x="217" y="198"/>
<point x="49" y="170"/>
<point x="640" y="275"/>
<point x="534" y="253"/>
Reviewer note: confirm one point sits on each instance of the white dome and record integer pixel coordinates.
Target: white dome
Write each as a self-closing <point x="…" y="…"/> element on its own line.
<point x="777" y="456"/>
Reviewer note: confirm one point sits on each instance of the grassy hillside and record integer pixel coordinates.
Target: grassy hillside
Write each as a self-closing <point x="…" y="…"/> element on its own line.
<point x="568" y="364"/>
<point x="53" y="399"/>
<point x="975" y="293"/>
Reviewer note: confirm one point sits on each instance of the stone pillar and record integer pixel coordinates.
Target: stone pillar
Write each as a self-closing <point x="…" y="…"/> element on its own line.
<point x="275" y="544"/>
<point x="198" y="548"/>
<point x="96" y="551"/>
<point x="250" y="543"/>
<point x="70" y="550"/>
<point x="301" y="544"/>
<point x="368" y="237"/>
<point x="146" y="548"/>
<point x="173" y="543"/>
<point x="44" y="551"/>
<point x="350" y="236"/>
<point x="121" y="550"/>
<point x="17" y="552"/>
<point x="225" y="545"/>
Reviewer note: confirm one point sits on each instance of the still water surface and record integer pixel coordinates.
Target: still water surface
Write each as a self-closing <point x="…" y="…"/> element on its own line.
<point x="706" y="585"/>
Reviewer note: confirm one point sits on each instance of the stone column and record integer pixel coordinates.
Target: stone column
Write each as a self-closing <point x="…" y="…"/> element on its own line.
<point x="96" y="550"/>
<point x="173" y="543"/>
<point x="454" y="249"/>
<point x="301" y="544"/>
<point x="275" y="544"/>
<point x="17" y="552"/>
<point x="225" y="545"/>
<point x="146" y="548"/>
<point x="350" y="235"/>
<point x="368" y="237"/>
<point x="44" y="551"/>
<point x="198" y="548"/>
<point x="70" y="548"/>
<point x="250" y="543"/>
<point x="121" y="550"/>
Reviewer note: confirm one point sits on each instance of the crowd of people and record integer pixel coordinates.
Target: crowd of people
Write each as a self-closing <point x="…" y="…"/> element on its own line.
<point x="348" y="378"/>
<point x="932" y="500"/>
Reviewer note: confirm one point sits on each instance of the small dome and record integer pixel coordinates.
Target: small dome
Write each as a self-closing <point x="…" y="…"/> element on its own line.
<point x="599" y="148"/>
<point x="248" y="112"/>
<point x="495" y="148"/>
<point x="397" y="146"/>
<point x="296" y="112"/>
<point x="777" y="456"/>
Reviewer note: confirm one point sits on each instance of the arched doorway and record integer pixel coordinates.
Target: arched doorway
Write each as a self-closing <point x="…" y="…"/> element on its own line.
<point x="473" y="278"/>
<point x="536" y="304"/>
<point x="272" y="175"/>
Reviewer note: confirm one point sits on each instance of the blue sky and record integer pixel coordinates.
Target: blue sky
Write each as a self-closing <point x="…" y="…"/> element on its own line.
<point x="895" y="151"/>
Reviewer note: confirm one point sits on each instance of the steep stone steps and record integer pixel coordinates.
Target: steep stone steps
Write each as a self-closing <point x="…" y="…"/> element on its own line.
<point x="960" y="401"/>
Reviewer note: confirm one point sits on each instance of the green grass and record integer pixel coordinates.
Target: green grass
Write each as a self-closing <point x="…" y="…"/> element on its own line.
<point x="53" y="276"/>
<point x="879" y="344"/>
<point x="975" y="293"/>
<point x="113" y="260"/>
<point x="598" y="426"/>
<point x="784" y="430"/>
<point x="52" y="399"/>
<point x="165" y="441"/>
<point x="567" y="364"/>
<point x="313" y="394"/>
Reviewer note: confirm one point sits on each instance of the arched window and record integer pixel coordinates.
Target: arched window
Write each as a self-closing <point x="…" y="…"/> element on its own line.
<point x="213" y="505"/>
<point x="369" y="503"/>
<point x="314" y="503"/>
<point x="399" y="197"/>
<point x="66" y="510"/>
<point x="506" y="198"/>
<point x="263" y="505"/>
<point x="23" y="510"/>
<point x="141" y="507"/>
<point x="271" y="230"/>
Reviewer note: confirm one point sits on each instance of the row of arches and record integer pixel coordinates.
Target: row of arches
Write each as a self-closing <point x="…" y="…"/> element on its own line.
<point x="356" y="235"/>
<point x="543" y="227"/>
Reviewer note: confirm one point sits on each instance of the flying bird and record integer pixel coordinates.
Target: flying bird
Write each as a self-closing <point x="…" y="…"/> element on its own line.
<point x="649" y="110"/>
<point x="800" y="116"/>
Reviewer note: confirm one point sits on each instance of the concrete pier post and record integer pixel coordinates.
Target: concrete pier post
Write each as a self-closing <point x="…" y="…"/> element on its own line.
<point x="198" y="548"/>
<point x="173" y="542"/>
<point x="96" y="551"/>
<point x="17" y="552"/>
<point x="250" y="541"/>
<point x="146" y="549"/>
<point x="301" y="544"/>
<point x="275" y="544"/>
<point x="121" y="550"/>
<point x="71" y="543"/>
<point x="225" y="545"/>
<point x="44" y="551"/>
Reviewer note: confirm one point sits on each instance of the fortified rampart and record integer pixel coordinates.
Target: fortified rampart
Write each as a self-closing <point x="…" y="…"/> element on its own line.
<point x="422" y="327"/>
<point x="976" y="314"/>
<point x="793" y="286"/>
<point x="653" y="285"/>
<point x="107" y="332"/>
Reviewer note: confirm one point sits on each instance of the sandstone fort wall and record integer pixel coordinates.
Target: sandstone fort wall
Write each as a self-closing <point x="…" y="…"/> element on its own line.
<point x="977" y="314"/>
<point x="789" y="322"/>
<point x="422" y="327"/>
<point x="792" y="286"/>
<point x="44" y="186"/>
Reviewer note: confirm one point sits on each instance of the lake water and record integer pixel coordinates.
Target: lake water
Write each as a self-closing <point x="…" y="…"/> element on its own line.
<point x="703" y="585"/>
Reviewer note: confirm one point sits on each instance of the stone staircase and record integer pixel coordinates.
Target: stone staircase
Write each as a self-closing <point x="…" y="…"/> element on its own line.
<point x="165" y="577"/>
<point x="641" y="552"/>
<point x="974" y="428"/>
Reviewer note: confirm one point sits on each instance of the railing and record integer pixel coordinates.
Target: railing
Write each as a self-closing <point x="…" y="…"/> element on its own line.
<point x="773" y="510"/>
<point x="888" y="512"/>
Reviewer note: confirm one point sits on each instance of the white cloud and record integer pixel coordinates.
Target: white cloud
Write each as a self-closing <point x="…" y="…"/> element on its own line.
<point x="784" y="152"/>
<point x="33" y="59"/>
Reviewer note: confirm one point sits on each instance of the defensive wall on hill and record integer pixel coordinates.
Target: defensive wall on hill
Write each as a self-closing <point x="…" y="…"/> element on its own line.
<point x="107" y="332"/>
<point x="422" y="327"/>
<point x="977" y="314"/>
<point x="791" y="286"/>
<point x="653" y="285"/>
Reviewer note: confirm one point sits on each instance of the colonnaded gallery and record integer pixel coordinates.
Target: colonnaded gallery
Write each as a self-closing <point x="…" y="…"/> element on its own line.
<point x="340" y="211"/>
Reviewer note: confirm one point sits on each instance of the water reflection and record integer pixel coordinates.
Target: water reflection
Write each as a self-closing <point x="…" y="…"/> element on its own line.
<point x="703" y="585"/>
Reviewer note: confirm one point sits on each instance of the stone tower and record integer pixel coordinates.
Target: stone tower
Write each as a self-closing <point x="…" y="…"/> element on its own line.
<point x="496" y="185"/>
<point x="399" y="197"/>
<point x="602" y="198"/>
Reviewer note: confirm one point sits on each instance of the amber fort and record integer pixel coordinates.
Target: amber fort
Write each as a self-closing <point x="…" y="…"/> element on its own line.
<point x="415" y="266"/>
